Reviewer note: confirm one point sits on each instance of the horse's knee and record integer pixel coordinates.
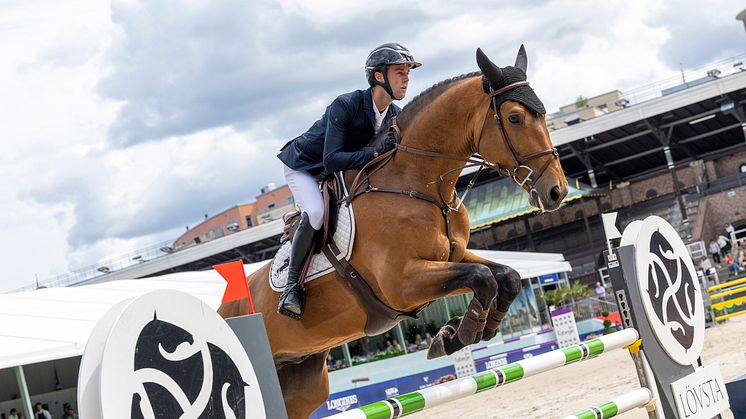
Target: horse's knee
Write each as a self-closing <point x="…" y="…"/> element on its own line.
<point x="485" y="286"/>
<point x="509" y="285"/>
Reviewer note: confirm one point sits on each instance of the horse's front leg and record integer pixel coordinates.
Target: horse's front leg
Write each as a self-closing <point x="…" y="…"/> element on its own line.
<point x="428" y="280"/>
<point x="508" y="287"/>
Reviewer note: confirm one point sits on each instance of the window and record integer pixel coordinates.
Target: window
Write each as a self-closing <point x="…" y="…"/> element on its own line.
<point x="651" y="193"/>
<point x="249" y="222"/>
<point x="270" y="206"/>
<point x="291" y="200"/>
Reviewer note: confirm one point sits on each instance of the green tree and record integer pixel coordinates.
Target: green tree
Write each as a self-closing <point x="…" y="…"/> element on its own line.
<point x="581" y="102"/>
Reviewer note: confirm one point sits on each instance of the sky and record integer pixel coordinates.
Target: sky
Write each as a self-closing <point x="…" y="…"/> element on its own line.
<point x="124" y="121"/>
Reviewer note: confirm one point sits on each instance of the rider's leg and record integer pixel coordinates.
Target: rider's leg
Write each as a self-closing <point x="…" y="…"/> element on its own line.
<point x="308" y="198"/>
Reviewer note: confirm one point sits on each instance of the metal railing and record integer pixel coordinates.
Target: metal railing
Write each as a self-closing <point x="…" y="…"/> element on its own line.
<point x="689" y="78"/>
<point x="103" y="267"/>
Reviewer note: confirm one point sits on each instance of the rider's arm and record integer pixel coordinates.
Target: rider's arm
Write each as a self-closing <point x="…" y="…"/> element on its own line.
<point x="335" y="158"/>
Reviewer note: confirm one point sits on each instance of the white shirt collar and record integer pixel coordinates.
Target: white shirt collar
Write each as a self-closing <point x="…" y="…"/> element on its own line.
<point x="379" y="115"/>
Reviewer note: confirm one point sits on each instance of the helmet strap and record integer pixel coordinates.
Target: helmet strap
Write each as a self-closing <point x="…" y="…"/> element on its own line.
<point x="386" y="86"/>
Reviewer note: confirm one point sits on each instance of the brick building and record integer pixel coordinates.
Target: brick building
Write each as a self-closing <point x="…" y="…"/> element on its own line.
<point x="270" y="205"/>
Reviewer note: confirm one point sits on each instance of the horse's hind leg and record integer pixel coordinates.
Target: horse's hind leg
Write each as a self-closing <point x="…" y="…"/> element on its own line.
<point x="508" y="287"/>
<point x="432" y="280"/>
<point x="305" y="385"/>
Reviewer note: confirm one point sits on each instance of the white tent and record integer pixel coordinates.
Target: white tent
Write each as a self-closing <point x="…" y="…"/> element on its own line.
<point x="54" y="323"/>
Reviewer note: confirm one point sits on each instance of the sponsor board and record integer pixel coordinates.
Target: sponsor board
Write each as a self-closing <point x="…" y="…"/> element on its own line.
<point x="342" y="403"/>
<point x="702" y="394"/>
<point x="565" y="329"/>
<point x="463" y="362"/>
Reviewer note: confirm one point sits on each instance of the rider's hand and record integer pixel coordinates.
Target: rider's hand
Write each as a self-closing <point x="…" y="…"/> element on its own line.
<point x="387" y="144"/>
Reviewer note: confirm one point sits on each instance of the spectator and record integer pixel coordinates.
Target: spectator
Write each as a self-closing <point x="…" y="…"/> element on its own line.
<point x="724" y="244"/>
<point x="419" y="342"/>
<point x="742" y="258"/>
<point x="41" y="412"/>
<point x="600" y="291"/>
<point x="731" y="231"/>
<point x="13" y="414"/>
<point x="428" y="339"/>
<point x="69" y="412"/>
<point x="733" y="267"/>
<point x="715" y="252"/>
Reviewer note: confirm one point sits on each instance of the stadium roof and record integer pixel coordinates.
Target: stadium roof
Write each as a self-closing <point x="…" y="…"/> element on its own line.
<point x="494" y="202"/>
<point x="698" y="122"/>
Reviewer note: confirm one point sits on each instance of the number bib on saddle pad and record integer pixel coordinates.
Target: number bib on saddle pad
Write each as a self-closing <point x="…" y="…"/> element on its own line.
<point x="344" y="236"/>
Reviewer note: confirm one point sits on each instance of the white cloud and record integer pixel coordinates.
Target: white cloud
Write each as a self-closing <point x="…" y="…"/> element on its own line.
<point x="125" y="121"/>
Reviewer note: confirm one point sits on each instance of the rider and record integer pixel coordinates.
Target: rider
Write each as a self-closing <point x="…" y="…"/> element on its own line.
<point x="338" y="142"/>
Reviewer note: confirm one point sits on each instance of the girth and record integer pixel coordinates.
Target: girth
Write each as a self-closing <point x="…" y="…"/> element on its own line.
<point x="380" y="317"/>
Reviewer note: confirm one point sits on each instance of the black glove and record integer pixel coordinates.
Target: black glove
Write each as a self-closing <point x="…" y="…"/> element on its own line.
<point x="387" y="144"/>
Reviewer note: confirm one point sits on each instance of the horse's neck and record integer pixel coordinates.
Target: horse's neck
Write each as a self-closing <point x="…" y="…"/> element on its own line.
<point x="445" y="126"/>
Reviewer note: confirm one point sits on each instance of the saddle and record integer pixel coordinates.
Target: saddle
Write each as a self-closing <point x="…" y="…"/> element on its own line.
<point x="331" y="191"/>
<point x="381" y="317"/>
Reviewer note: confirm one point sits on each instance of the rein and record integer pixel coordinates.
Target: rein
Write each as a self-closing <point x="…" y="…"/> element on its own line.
<point x="476" y="160"/>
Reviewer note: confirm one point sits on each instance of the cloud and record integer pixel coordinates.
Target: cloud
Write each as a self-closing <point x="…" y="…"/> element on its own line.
<point x="153" y="187"/>
<point x="125" y="121"/>
<point x="699" y="33"/>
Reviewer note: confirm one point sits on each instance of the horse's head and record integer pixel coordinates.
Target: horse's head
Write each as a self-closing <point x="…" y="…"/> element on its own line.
<point x="514" y="133"/>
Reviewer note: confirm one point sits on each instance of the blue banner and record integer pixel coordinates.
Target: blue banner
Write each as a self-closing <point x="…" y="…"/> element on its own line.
<point x="350" y="399"/>
<point x="549" y="279"/>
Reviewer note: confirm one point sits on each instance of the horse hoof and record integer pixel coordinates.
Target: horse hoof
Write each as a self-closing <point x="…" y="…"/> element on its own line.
<point x="437" y="348"/>
<point x="443" y="342"/>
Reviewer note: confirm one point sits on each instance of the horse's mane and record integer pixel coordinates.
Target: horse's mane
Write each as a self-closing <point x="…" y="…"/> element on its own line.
<point x="419" y="102"/>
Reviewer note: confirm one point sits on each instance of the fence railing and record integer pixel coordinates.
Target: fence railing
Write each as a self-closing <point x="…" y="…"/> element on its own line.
<point x="103" y="267"/>
<point x="689" y="78"/>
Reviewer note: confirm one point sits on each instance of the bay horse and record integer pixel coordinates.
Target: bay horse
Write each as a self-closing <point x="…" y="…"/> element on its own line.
<point x="409" y="251"/>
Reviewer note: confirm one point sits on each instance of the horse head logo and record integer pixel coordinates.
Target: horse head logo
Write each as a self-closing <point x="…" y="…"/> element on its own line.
<point x="671" y="290"/>
<point x="181" y="374"/>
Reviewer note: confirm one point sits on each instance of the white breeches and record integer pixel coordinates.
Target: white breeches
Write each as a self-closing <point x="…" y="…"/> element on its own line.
<point x="307" y="195"/>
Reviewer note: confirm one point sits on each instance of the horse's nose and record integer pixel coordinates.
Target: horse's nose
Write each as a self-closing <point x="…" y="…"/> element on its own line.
<point x="555" y="193"/>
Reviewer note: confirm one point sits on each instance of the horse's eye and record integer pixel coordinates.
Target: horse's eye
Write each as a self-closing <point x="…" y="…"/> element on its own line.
<point x="514" y="119"/>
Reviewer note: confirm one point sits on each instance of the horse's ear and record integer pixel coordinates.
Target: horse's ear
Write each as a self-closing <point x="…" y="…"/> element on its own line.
<point x="489" y="69"/>
<point x="521" y="61"/>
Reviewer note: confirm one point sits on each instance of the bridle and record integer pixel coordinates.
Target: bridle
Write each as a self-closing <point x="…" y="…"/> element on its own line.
<point x="476" y="160"/>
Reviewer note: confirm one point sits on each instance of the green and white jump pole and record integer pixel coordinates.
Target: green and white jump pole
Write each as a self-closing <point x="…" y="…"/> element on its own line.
<point x="446" y="392"/>
<point x="615" y="406"/>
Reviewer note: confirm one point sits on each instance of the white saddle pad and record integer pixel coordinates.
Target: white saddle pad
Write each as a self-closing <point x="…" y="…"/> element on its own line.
<point x="344" y="237"/>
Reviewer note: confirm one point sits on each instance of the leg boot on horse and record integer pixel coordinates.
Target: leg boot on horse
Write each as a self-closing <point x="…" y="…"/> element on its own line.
<point x="508" y="287"/>
<point x="292" y="302"/>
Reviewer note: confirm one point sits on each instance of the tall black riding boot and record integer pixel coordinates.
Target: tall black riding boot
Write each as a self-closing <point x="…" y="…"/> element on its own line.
<point x="293" y="299"/>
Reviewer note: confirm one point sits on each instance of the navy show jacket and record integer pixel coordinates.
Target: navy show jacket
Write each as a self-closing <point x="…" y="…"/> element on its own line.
<point x="338" y="141"/>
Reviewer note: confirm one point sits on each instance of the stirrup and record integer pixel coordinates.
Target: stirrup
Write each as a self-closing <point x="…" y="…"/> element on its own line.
<point x="301" y="302"/>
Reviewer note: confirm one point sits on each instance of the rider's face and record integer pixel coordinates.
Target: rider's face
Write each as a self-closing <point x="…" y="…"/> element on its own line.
<point x="399" y="79"/>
